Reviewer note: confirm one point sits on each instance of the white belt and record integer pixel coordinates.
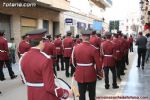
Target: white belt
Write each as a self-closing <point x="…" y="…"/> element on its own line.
<point x="35" y="84"/>
<point x="57" y="47"/>
<point x="108" y="55"/>
<point x="79" y="64"/>
<point x="117" y="51"/>
<point x="68" y="48"/>
<point x="2" y="51"/>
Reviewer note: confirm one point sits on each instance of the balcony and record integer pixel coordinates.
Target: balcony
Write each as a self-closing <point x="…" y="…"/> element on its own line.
<point x="103" y="3"/>
<point x="60" y="5"/>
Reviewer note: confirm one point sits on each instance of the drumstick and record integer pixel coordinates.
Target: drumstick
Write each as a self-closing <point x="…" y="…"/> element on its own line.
<point x="73" y="88"/>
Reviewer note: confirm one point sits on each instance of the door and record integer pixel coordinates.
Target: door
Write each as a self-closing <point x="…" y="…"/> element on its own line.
<point x="55" y="29"/>
<point x="5" y="25"/>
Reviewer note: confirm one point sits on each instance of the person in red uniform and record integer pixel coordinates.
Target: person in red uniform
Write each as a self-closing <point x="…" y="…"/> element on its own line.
<point x="68" y="46"/>
<point x="94" y="40"/>
<point x="131" y="43"/>
<point x="37" y="71"/>
<point x="50" y="50"/>
<point x="109" y="61"/>
<point x="4" y="57"/>
<point x="126" y="50"/>
<point x="59" y="52"/>
<point x="24" y="46"/>
<point x="77" y="39"/>
<point x="122" y="43"/>
<point x="85" y="56"/>
<point x="117" y="54"/>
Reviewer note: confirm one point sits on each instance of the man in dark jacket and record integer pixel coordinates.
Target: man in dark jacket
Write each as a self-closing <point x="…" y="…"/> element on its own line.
<point x="141" y="43"/>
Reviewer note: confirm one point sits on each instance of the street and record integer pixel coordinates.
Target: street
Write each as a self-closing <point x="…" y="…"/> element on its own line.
<point x="134" y="83"/>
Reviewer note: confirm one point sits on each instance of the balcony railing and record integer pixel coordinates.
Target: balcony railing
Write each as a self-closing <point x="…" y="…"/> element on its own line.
<point x="109" y="1"/>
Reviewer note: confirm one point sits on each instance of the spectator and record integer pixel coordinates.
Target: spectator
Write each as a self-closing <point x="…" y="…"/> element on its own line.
<point x="141" y="43"/>
<point x="147" y="47"/>
<point x="12" y="51"/>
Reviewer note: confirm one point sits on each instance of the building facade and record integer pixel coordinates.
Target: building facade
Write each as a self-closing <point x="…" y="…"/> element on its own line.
<point x="57" y="16"/>
<point x="145" y="15"/>
<point x="16" y="21"/>
<point x="131" y="24"/>
<point x="89" y="15"/>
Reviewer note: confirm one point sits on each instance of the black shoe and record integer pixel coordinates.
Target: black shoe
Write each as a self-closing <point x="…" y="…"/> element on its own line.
<point x="13" y="77"/>
<point x="125" y="68"/>
<point x="138" y="66"/>
<point x="115" y="87"/>
<point x="122" y="73"/>
<point x="106" y="86"/>
<point x="0" y="92"/>
<point x="58" y="70"/>
<point x="119" y="79"/>
<point x="67" y="75"/>
<point x="99" y="78"/>
<point x="142" y="67"/>
<point x="2" y="79"/>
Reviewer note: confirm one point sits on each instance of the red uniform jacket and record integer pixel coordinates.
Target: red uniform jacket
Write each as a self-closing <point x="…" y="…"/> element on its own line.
<point x="85" y="53"/>
<point x="127" y="45"/>
<point x="50" y="49"/>
<point x="117" y="44"/>
<point x="130" y="40"/>
<point x="109" y="50"/>
<point x="24" y="46"/>
<point x="67" y="45"/>
<point x="94" y="40"/>
<point x="3" y="49"/>
<point x="38" y="68"/>
<point x="122" y="43"/>
<point x="59" y="48"/>
<point x="78" y="41"/>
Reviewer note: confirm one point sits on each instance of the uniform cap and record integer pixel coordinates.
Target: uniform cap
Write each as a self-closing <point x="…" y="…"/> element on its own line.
<point x="58" y="35"/>
<point x="108" y="34"/>
<point x="93" y="32"/>
<point x="69" y="33"/>
<point x="48" y="36"/>
<point x="37" y="34"/>
<point x="86" y="32"/>
<point x="2" y="32"/>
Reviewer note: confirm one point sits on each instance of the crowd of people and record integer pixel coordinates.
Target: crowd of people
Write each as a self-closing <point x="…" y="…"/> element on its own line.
<point x="88" y="55"/>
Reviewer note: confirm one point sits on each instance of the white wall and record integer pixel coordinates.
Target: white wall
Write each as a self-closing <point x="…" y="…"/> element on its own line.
<point x="81" y="5"/>
<point x="86" y="7"/>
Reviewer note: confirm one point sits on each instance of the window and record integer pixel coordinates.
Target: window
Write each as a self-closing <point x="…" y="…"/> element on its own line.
<point x="28" y="24"/>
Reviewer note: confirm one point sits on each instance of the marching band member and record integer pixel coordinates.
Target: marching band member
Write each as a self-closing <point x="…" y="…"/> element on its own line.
<point x="50" y="50"/>
<point x="108" y="49"/>
<point x="37" y="71"/>
<point x="24" y="46"/>
<point x="85" y="56"/>
<point x="4" y="57"/>
<point x="59" y="52"/>
<point x="118" y="55"/>
<point x="68" y="46"/>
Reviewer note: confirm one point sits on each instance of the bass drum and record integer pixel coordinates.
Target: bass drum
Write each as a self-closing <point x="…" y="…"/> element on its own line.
<point x="61" y="83"/>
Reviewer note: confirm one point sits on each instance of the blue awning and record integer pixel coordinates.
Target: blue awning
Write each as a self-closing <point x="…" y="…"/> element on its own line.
<point x="97" y="25"/>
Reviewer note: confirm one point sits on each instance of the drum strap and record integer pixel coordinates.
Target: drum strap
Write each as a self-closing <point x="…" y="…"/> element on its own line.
<point x="20" y="69"/>
<point x="72" y="56"/>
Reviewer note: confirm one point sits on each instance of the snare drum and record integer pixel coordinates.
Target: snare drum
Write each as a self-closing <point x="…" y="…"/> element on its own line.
<point x="61" y="83"/>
